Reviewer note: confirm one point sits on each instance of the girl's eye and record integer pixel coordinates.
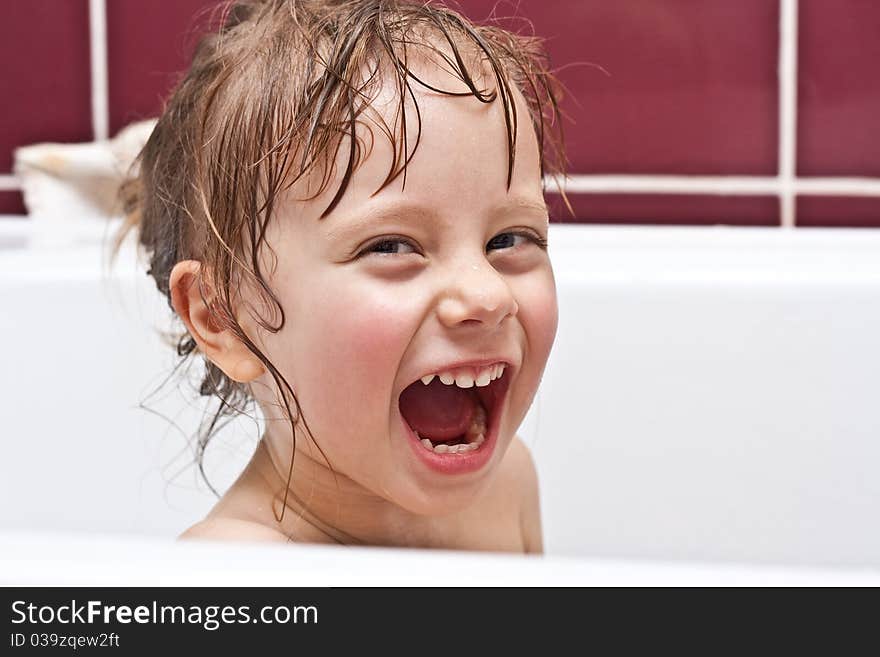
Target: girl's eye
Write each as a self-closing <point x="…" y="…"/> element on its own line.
<point x="507" y="240"/>
<point x="390" y="245"/>
<point x="387" y="246"/>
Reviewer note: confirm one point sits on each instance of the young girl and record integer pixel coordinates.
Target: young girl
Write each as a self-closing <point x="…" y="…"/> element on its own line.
<point x="343" y="203"/>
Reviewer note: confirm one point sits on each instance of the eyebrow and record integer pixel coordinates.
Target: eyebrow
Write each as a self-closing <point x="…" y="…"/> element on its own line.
<point x="524" y="204"/>
<point x="406" y="212"/>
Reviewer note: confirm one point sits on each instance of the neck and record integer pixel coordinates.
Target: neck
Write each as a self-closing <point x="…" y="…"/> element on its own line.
<point x="312" y="503"/>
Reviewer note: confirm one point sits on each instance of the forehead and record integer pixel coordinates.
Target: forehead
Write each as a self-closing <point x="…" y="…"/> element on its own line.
<point x="456" y="147"/>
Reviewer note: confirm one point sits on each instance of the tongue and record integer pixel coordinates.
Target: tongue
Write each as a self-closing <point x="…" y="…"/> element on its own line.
<point x="437" y="411"/>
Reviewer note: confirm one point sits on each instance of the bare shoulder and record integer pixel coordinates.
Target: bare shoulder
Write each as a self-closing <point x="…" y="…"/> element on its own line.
<point x="522" y="467"/>
<point x="232" y="529"/>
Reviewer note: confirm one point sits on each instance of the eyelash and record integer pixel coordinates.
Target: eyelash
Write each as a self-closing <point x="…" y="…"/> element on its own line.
<point x="532" y="237"/>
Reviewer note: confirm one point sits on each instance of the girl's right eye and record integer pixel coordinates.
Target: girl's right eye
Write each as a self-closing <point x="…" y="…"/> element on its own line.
<point x="386" y="247"/>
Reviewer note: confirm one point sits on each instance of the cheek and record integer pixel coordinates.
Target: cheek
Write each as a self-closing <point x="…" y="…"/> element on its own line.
<point x="364" y="328"/>
<point x="352" y="350"/>
<point x="539" y="313"/>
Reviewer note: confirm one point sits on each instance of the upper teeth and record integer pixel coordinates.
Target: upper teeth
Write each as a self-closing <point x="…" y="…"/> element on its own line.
<point x="467" y="378"/>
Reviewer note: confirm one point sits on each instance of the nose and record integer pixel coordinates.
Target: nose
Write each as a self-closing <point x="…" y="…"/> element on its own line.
<point x="476" y="294"/>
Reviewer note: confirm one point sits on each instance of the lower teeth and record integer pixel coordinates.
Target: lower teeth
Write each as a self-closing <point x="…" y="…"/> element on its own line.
<point x="475" y="436"/>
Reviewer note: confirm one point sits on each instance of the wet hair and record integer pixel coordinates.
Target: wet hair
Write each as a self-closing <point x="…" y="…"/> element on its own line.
<point x="267" y="101"/>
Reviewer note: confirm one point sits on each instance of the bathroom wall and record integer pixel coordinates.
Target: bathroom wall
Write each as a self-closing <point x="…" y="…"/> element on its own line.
<point x="754" y="112"/>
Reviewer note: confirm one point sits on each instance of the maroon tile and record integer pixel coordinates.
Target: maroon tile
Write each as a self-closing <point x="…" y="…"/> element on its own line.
<point x="839" y="211"/>
<point x="672" y="209"/>
<point x="45" y="83"/>
<point x="149" y="45"/>
<point x="12" y="202"/>
<point x="690" y="88"/>
<point x="838" y="88"/>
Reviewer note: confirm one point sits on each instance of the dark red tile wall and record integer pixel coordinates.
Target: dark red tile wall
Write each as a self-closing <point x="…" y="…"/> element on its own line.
<point x="44" y="83"/>
<point x="838" y="212"/>
<point x="669" y="209"/>
<point x="682" y="87"/>
<point x="11" y="202"/>
<point x="839" y="88"/>
<point x="148" y="45"/>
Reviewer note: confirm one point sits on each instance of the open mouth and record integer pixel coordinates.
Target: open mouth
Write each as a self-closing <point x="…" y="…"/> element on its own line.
<point x="449" y="419"/>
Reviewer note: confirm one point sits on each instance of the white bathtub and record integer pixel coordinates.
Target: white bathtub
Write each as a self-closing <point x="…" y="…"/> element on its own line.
<point x="712" y="396"/>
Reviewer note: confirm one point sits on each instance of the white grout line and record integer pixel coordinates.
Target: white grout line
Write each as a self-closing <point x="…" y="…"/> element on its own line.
<point x="788" y="44"/>
<point x="722" y="185"/>
<point x="8" y="182"/>
<point x="646" y="184"/>
<point x="838" y="186"/>
<point x="98" y="55"/>
<point x="649" y="184"/>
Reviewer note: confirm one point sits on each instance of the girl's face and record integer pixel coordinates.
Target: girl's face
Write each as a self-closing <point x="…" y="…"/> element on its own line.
<point x="392" y="286"/>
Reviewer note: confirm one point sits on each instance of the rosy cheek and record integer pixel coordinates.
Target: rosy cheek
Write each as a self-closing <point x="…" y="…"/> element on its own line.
<point x="540" y="314"/>
<point x="356" y="344"/>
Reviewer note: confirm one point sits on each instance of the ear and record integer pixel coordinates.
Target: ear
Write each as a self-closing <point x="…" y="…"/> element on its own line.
<point x="219" y="345"/>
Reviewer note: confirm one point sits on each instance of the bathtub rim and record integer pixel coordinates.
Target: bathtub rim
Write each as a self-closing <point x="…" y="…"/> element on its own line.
<point x="32" y="559"/>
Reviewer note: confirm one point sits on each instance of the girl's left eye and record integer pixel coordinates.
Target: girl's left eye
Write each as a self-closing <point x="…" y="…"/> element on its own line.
<point x="528" y="235"/>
